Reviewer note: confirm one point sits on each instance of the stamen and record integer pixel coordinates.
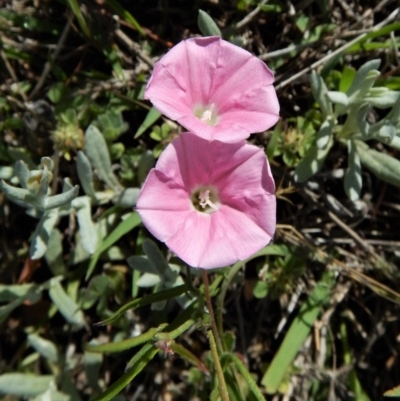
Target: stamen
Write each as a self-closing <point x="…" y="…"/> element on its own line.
<point x="208" y="115"/>
<point x="205" y="200"/>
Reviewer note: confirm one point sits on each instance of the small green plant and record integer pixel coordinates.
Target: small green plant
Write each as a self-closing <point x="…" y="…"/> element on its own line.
<point x="353" y="106"/>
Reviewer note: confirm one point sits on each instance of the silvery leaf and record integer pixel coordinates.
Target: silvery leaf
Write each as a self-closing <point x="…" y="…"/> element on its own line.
<point x="338" y="98"/>
<point x="364" y="79"/>
<point x="325" y="133"/>
<point x="381" y="164"/>
<point x="128" y="197"/>
<point x="382" y="97"/>
<point x="353" y="177"/>
<point x="311" y="163"/>
<point x="87" y="229"/>
<point x="22" y="197"/>
<point x="85" y="174"/>
<point x="22" y="172"/>
<point x="320" y="93"/>
<point x="207" y="25"/>
<point x="148" y="280"/>
<point x="62" y="199"/>
<point x="41" y="235"/>
<point x="97" y="152"/>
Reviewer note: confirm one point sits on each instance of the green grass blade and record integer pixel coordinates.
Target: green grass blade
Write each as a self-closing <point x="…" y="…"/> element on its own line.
<point x="152" y="116"/>
<point x="246" y="374"/>
<point x="297" y="334"/>
<point x="123" y="228"/>
<point x="125" y="15"/>
<point x="140" y="360"/>
<point x="81" y="20"/>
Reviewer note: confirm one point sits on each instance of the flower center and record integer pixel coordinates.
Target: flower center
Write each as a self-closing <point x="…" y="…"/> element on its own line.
<point x="207" y="114"/>
<point x="205" y="199"/>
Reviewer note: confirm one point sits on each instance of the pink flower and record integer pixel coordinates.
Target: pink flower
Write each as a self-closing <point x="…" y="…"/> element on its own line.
<point x="212" y="203"/>
<point x="214" y="89"/>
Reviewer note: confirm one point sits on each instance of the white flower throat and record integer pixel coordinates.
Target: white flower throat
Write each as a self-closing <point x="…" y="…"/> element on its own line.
<point x="207" y="114"/>
<point x="205" y="199"/>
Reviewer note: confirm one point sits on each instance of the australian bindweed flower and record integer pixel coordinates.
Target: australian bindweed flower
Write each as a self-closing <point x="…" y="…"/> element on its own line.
<point x="212" y="203"/>
<point x="214" y="89"/>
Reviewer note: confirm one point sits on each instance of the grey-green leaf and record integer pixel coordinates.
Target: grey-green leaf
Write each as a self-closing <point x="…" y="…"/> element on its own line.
<point x="325" y="133"/>
<point x="353" y="177"/>
<point x="41" y="235"/>
<point x="21" y="196"/>
<point x="54" y="253"/>
<point x="85" y="174"/>
<point x="146" y="163"/>
<point x="311" y="163"/>
<point x="89" y="237"/>
<point x="97" y="152"/>
<point x="128" y="197"/>
<point x="338" y="98"/>
<point x="24" y="385"/>
<point x="66" y="305"/>
<point x="46" y="348"/>
<point x="207" y="25"/>
<point x="62" y="199"/>
<point x="22" y="172"/>
<point x="381" y="164"/>
<point x="320" y="93"/>
<point x="155" y="257"/>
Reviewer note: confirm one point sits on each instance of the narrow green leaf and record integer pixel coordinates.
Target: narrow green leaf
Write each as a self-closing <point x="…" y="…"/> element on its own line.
<point x="124" y="227"/>
<point x="147" y="300"/>
<point x="125" y="344"/>
<point x="347" y="78"/>
<point x="66" y="305"/>
<point x="184" y="353"/>
<point x="81" y="20"/>
<point x="207" y="25"/>
<point x="140" y="361"/>
<point x="246" y="374"/>
<point x="152" y="116"/>
<point x="297" y="333"/>
<point x="385" y="167"/>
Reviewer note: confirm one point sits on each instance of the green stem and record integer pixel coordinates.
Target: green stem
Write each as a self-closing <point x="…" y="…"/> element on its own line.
<point x="210" y="309"/>
<point x="223" y="390"/>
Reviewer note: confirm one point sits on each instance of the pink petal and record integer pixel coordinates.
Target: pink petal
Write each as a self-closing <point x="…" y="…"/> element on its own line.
<point x="182" y="78"/>
<point x="161" y="204"/>
<point x="218" y="239"/>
